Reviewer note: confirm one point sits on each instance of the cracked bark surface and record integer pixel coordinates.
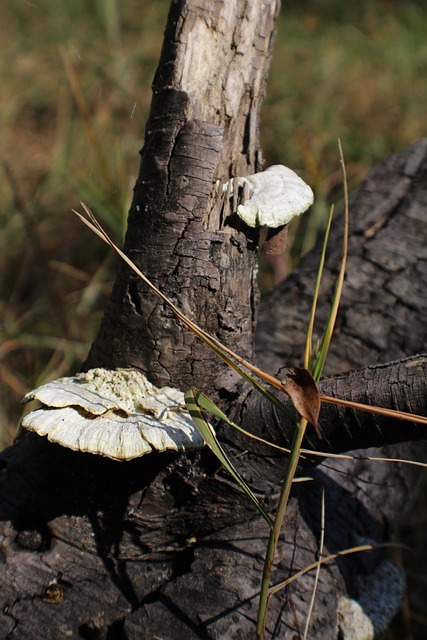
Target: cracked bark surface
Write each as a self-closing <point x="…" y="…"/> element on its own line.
<point x="203" y="127"/>
<point x="166" y="546"/>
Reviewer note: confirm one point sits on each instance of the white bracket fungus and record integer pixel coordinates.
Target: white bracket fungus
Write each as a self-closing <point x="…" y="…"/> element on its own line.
<point x="276" y="195"/>
<point x="118" y="414"/>
<point x="380" y="597"/>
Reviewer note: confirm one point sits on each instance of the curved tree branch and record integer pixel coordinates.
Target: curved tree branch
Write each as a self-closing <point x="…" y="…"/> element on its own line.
<point x="398" y="385"/>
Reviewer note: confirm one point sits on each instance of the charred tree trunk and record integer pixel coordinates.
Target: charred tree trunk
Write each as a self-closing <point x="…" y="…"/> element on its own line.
<point x="202" y="128"/>
<point x="166" y="546"/>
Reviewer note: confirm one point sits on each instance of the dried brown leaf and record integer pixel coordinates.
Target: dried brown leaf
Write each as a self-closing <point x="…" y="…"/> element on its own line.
<point x="300" y="386"/>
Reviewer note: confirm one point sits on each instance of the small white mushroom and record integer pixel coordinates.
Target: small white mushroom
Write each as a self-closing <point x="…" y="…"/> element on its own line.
<point x="380" y="597"/>
<point x="276" y="195"/>
<point x="113" y="413"/>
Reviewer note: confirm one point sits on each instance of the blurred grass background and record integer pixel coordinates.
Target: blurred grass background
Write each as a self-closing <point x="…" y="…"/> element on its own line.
<point x="74" y="95"/>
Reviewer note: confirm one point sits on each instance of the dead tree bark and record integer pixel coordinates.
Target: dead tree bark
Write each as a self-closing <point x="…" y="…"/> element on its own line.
<point x="166" y="546"/>
<point x="203" y="127"/>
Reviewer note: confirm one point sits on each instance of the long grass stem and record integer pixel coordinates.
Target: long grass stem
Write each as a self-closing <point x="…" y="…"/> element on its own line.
<point x="290" y="470"/>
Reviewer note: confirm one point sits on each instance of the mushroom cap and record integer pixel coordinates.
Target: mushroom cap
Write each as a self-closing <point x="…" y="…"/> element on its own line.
<point x="276" y="195"/>
<point x="113" y="413"/>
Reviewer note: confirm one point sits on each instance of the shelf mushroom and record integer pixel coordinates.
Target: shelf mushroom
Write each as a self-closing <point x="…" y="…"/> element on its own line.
<point x="276" y="195"/>
<point x="114" y="413"/>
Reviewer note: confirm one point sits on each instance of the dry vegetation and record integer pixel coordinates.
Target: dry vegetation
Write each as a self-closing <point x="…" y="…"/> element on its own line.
<point x="75" y="92"/>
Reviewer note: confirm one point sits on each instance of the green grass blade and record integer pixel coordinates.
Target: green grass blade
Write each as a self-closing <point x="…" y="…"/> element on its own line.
<point x="192" y="403"/>
<point x="309" y="340"/>
<point x="288" y="478"/>
<point x="322" y="351"/>
<point x="204" y="402"/>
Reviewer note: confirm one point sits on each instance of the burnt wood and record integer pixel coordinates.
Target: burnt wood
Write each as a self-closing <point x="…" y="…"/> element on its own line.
<point x="167" y="546"/>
